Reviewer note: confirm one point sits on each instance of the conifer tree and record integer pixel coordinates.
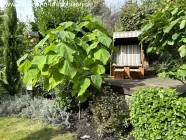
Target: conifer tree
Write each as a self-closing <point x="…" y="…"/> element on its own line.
<point x="10" y="77"/>
<point x="1" y="42"/>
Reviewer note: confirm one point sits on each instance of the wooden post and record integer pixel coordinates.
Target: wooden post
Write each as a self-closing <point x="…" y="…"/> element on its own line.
<point x="127" y="71"/>
<point x="141" y="72"/>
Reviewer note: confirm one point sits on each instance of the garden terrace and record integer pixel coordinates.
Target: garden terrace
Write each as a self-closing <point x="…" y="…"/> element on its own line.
<point x="127" y="86"/>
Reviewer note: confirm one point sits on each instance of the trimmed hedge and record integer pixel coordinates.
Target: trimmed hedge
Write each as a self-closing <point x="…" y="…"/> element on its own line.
<point x="158" y="113"/>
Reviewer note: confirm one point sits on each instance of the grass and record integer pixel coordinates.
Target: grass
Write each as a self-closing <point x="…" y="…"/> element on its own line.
<point x="12" y="128"/>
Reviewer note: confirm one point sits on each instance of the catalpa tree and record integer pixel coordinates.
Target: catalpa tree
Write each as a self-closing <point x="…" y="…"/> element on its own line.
<point x="73" y="52"/>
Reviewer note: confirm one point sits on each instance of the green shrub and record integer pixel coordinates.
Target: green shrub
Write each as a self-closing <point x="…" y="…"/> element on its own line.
<point x="34" y="108"/>
<point x="110" y="112"/>
<point x="64" y="98"/>
<point x="158" y="113"/>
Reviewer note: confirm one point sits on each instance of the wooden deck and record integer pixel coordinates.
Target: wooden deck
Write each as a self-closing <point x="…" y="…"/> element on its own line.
<point x="127" y="86"/>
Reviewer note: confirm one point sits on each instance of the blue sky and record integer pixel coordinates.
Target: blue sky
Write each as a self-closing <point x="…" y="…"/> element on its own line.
<point x="24" y="8"/>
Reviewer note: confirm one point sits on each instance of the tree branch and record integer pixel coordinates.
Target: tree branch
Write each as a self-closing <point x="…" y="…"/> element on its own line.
<point x="182" y="81"/>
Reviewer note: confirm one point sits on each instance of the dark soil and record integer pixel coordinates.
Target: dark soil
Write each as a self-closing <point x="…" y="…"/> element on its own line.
<point x="86" y="126"/>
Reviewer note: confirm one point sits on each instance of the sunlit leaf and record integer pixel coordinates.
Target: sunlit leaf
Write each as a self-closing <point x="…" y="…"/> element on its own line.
<point x="21" y="59"/>
<point x="97" y="69"/>
<point x="67" y="69"/>
<point x="24" y="66"/>
<point x="84" y="84"/>
<point x="30" y="75"/>
<point x="96" y="80"/>
<point x="103" y="55"/>
<point x="65" y="51"/>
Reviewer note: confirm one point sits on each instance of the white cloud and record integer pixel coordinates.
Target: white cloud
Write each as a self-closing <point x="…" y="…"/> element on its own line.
<point x="23" y="7"/>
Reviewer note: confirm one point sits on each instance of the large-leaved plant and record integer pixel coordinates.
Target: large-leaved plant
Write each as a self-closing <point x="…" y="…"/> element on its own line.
<point x="73" y="52"/>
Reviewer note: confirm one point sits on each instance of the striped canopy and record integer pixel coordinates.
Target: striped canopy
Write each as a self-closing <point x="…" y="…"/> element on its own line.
<point x="127" y="34"/>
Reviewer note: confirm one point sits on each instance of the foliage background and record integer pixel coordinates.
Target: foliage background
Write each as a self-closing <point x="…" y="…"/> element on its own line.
<point x="164" y="30"/>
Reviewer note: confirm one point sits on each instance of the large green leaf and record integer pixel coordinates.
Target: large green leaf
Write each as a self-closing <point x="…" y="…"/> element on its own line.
<point x="84" y="97"/>
<point x="97" y="33"/>
<point x="96" y="80"/>
<point x="102" y="29"/>
<point x="30" y="75"/>
<point x="83" y="24"/>
<point x="21" y="59"/>
<point x="42" y="42"/>
<point x="65" y="51"/>
<point x="171" y="25"/>
<point x="103" y="55"/>
<point x="67" y="69"/>
<point x="89" y="37"/>
<point x="97" y="69"/>
<point x="96" y="21"/>
<point x="115" y="49"/>
<point x="40" y="61"/>
<point x="45" y="71"/>
<point x="88" y="61"/>
<point x="87" y="18"/>
<point x="49" y="48"/>
<point x="49" y="59"/>
<point x="147" y="26"/>
<point x="64" y="34"/>
<point x="84" y="84"/>
<point x="46" y="84"/>
<point x="67" y="24"/>
<point x="81" y="44"/>
<point x="102" y="38"/>
<point x="92" y="46"/>
<point x="24" y="66"/>
<point x="56" y="79"/>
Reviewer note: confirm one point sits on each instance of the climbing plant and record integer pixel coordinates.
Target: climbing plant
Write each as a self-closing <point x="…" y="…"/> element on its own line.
<point x="165" y="31"/>
<point x="73" y="52"/>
